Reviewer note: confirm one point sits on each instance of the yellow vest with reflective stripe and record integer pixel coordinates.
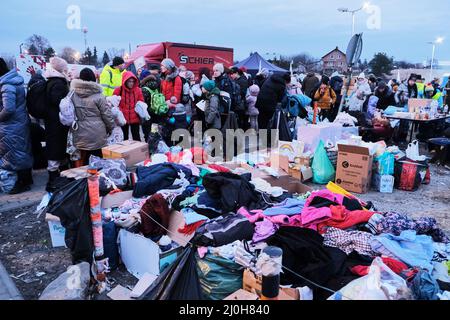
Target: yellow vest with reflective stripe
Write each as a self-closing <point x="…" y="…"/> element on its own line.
<point x="110" y="79"/>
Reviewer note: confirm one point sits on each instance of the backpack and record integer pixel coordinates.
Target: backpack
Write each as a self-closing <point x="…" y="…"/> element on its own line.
<point x="37" y="101"/>
<point x="185" y="96"/>
<point x="224" y="102"/>
<point x="296" y="105"/>
<point x="158" y="103"/>
<point x="67" y="111"/>
<point x="234" y="90"/>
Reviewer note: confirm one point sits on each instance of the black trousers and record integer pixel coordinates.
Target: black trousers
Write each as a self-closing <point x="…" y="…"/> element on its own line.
<point x="135" y="131"/>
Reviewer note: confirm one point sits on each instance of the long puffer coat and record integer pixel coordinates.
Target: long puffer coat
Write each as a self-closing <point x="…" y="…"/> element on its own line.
<point x="55" y="132"/>
<point x="272" y="93"/>
<point x="95" y="120"/>
<point x="15" y="142"/>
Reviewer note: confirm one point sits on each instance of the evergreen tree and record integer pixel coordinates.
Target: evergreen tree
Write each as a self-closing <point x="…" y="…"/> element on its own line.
<point x="105" y="59"/>
<point x="49" y="53"/>
<point x="95" y="57"/>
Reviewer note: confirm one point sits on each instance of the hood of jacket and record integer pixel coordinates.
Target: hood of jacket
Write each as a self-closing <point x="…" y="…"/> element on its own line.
<point x="52" y="73"/>
<point x="278" y="79"/>
<point x="172" y="76"/>
<point x="310" y="75"/>
<point x="215" y="91"/>
<point x="12" y="78"/>
<point x="85" y="88"/>
<point x="127" y="76"/>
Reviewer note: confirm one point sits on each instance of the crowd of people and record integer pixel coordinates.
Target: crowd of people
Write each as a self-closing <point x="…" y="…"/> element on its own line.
<point x="171" y="94"/>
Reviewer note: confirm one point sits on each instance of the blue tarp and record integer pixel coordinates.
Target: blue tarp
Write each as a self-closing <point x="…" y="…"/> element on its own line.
<point x="255" y="61"/>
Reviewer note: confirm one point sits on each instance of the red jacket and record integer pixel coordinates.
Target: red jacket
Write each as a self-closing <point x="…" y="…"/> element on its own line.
<point x="129" y="98"/>
<point x="172" y="87"/>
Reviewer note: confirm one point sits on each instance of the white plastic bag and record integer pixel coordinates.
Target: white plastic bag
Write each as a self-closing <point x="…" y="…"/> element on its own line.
<point x="115" y="137"/>
<point x="141" y="109"/>
<point x="380" y="284"/>
<point x="413" y="152"/>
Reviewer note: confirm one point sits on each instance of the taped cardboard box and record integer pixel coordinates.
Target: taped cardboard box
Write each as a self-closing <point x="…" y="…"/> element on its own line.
<point x="354" y="168"/>
<point x="132" y="151"/>
<point x="76" y="173"/>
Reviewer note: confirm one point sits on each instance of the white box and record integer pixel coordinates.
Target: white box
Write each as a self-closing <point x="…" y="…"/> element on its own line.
<point x="57" y="234"/>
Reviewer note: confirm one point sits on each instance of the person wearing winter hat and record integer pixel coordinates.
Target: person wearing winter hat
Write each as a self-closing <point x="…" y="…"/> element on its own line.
<point x="131" y="94"/>
<point x="15" y="140"/>
<point x="362" y="92"/>
<point x="326" y="98"/>
<point x="260" y="77"/>
<point x="150" y="86"/>
<point x="111" y="76"/>
<point x="238" y="76"/>
<point x="212" y="110"/>
<point x="171" y="84"/>
<point x="252" y="111"/>
<point x="55" y="132"/>
<point x="95" y="119"/>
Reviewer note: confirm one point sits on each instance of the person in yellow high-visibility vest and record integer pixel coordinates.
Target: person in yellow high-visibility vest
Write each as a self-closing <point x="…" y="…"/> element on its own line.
<point x="111" y="76"/>
<point x="420" y="87"/>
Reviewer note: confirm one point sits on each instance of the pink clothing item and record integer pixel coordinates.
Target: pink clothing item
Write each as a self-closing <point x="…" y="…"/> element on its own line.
<point x="311" y="216"/>
<point x="202" y="251"/>
<point x="281" y="220"/>
<point x="263" y="230"/>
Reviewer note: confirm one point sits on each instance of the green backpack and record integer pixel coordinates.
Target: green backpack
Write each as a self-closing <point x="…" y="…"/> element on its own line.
<point x="158" y="103"/>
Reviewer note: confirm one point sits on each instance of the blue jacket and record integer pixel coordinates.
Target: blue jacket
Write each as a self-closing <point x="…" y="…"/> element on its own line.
<point x="15" y="143"/>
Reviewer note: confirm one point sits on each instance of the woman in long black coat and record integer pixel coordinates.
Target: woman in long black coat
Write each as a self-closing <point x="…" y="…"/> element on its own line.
<point x="55" y="132"/>
<point x="272" y="93"/>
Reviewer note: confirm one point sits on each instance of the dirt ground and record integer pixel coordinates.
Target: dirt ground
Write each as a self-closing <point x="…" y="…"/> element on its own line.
<point x="27" y="253"/>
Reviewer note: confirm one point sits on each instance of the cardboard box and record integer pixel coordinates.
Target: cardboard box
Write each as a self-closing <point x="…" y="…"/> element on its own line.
<point x="354" y="168"/>
<point x="301" y="173"/>
<point x="279" y="161"/>
<point x="132" y="151"/>
<point x="242" y="295"/>
<point x="57" y="231"/>
<point x="141" y="255"/>
<point x="291" y="149"/>
<point x="414" y="105"/>
<point x="253" y="284"/>
<point x="76" y="173"/>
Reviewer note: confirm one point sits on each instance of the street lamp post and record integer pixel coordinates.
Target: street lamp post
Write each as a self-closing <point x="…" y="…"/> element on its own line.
<point x="353" y="12"/>
<point x="21" y="45"/>
<point x="439" y="40"/>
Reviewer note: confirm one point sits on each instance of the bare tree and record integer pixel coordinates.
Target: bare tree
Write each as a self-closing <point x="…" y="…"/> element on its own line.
<point x="69" y="54"/>
<point x="38" y="44"/>
<point x="114" y="52"/>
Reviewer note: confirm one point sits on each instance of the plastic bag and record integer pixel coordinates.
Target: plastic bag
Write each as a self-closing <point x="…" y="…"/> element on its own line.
<point x="412" y="152"/>
<point x="142" y="110"/>
<point x="323" y="170"/>
<point x="7" y="180"/>
<point x="380" y="284"/>
<point x="386" y="163"/>
<point x="179" y="281"/>
<point x="219" y="277"/>
<point x="424" y="286"/>
<point x="115" y="137"/>
<point x="67" y="111"/>
<point x="71" y="204"/>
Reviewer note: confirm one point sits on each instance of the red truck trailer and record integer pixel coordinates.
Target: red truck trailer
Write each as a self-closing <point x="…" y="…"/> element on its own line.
<point x="194" y="57"/>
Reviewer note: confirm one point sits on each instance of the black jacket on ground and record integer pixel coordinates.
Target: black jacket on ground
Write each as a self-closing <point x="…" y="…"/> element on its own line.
<point x="55" y="132"/>
<point x="234" y="191"/>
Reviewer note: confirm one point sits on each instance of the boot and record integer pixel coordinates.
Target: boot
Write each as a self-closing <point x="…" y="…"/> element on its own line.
<point x="52" y="176"/>
<point x="23" y="182"/>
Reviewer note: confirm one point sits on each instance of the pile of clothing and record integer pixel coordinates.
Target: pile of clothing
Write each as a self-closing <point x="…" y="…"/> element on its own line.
<point x="329" y="239"/>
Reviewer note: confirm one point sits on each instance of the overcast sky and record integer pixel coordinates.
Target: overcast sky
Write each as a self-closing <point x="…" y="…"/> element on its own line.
<point x="276" y="26"/>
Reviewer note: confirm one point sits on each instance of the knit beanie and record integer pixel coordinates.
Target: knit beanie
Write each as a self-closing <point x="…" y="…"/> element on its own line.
<point x="144" y="74"/>
<point x="219" y="67"/>
<point x="209" y="85"/>
<point x="59" y="64"/>
<point x="117" y="61"/>
<point x="254" y="90"/>
<point x="168" y="63"/>
<point x="87" y="75"/>
<point x="189" y="75"/>
<point x="325" y="80"/>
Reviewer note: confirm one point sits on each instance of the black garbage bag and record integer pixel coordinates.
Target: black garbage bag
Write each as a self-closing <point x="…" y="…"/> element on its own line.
<point x="179" y="281"/>
<point x="71" y="204"/>
<point x="279" y="122"/>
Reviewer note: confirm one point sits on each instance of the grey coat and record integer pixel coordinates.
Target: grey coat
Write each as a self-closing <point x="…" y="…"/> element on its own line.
<point x="95" y="120"/>
<point x="212" y="113"/>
